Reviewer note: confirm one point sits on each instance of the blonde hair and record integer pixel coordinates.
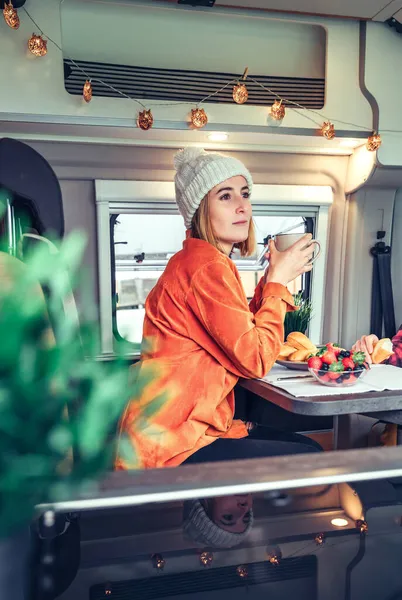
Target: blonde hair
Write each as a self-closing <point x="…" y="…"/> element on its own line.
<point x="201" y="228"/>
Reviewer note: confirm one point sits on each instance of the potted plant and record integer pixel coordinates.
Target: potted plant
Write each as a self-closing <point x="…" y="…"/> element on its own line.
<point x="59" y="405"/>
<point x="299" y="320"/>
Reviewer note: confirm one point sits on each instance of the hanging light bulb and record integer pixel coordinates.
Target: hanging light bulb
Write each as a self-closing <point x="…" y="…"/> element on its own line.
<point x="320" y="539"/>
<point x="362" y="526"/>
<point x="274" y="556"/>
<point x="206" y="558"/>
<point x="145" y="119"/>
<point x="11" y="15"/>
<point x="242" y="571"/>
<point x="108" y="589"/>
<point x="328" y="130"/>
<point x="373" y="142"/>
<point x="240" y="93"/>
<point x="87" y="91"/>
<point x="198" y="118"/>
<point x="278" y="110"/>
<point x="37" y="45"/>
<point x="158" y="562"/>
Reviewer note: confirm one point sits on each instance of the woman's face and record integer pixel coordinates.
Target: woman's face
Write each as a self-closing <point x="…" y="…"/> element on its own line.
<point x="230" y="211"/>
<point x="231" y="513"/>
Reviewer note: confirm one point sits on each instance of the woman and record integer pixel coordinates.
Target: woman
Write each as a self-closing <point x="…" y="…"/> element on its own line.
<point x="199" y="332"/>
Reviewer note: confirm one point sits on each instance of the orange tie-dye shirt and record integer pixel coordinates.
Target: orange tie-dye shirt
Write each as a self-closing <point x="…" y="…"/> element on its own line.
<point x="200" y="336"/>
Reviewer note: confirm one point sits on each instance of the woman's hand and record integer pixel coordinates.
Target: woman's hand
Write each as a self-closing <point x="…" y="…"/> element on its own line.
<point x="366" y="344"/>
<point x="285" y="266"/>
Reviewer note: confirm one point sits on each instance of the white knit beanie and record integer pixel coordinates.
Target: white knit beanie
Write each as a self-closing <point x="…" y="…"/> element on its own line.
<point x="201" y="529"/>
<point x="197" y="172"/>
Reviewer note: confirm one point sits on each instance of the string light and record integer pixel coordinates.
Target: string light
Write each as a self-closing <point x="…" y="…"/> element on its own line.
<point x="145" y="119"/>
<point x="278" y="110"/>
<point x="240" y="92"/>
<point x="275" y="557"/>
<point x="206" y="558"/>
<point x="37" y="45"/>
<point x="158" y="562"/>
<point x="198" y="118"/>
<point x="328" y="130"/>
<point x="10" y="15"/>
<point x="108" y="589"/>
<point x="320" y="539"/>
<point x="242" y="571"/>
<point x="373" y="142"/>
<point x="87" y="91"/>
<point x="362" y="526"/>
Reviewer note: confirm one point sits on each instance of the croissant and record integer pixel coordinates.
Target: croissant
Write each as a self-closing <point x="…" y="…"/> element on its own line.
<point x="383" y="349"/>
<point x="300" y="341"/>
<point x="286" y="350"/>
<point x="299" y="355"/>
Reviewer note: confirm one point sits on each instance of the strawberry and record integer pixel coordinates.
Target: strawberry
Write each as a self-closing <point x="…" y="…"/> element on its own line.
<point x="335" y="370"/>
<point x="314" y="362"/>
<point x="335" y="348"/>
<point x="328" y="357"/>
<point x="348" y="363"/>
<point x="337" y="367"/>
<point x="358" y="358"/>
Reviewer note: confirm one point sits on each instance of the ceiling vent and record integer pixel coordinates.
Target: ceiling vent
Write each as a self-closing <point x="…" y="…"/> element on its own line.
<point x="147" y="83"/>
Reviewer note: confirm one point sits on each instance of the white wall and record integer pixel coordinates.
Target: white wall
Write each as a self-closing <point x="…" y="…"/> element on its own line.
<point x="369" y="210"/>
<point x="382" y="69"/>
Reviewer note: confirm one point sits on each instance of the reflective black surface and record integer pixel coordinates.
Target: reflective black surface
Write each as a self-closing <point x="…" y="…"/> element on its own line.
<point x="269" y="545"/>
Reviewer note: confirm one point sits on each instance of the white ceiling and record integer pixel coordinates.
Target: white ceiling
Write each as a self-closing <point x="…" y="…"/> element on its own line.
<point x="378" y="10"/>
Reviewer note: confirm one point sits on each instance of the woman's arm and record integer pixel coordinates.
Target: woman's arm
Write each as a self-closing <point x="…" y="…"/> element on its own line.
<point x="246" y="344"/>
<point x="255" y="301"/>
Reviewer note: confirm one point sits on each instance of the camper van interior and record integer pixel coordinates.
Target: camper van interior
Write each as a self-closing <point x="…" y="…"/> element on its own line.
<point x="202" y="406"/>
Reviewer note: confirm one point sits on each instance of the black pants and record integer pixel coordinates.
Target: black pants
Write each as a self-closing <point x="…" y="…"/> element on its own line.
<point x="261" y="442"/>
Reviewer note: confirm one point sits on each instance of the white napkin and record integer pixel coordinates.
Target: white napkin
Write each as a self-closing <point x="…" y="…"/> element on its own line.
<point x="379" y="378"/>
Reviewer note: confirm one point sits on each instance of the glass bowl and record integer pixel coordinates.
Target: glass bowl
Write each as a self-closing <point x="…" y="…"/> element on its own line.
<point x="345" y="379"/>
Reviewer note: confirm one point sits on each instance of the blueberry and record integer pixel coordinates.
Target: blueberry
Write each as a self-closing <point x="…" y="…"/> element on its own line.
<point x="324" y="367"/>
<point x="340" y="379"/>
<point x="347" y="375"/>
<point x="348" y="369"/>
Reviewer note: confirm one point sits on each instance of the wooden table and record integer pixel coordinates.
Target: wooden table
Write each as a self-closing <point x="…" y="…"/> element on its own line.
<point x="384" y="406"/>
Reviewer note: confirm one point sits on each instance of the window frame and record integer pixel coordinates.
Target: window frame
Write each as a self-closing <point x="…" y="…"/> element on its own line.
<point x="148" y="197"/>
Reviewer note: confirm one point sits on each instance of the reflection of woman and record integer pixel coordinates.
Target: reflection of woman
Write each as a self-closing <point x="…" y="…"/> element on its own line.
<point x="221" y="522"/>
<point x="199" y="331"/>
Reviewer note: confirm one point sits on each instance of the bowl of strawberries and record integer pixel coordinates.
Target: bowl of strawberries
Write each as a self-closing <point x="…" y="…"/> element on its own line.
<point x="337" y="367"/>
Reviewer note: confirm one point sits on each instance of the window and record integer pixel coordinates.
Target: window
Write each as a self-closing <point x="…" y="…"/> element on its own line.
<point x="142" y="246"/>
<point x="139" y="229"/>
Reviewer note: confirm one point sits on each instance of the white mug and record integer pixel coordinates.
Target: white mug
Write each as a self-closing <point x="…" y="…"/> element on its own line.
<point x="283" y="241"/>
